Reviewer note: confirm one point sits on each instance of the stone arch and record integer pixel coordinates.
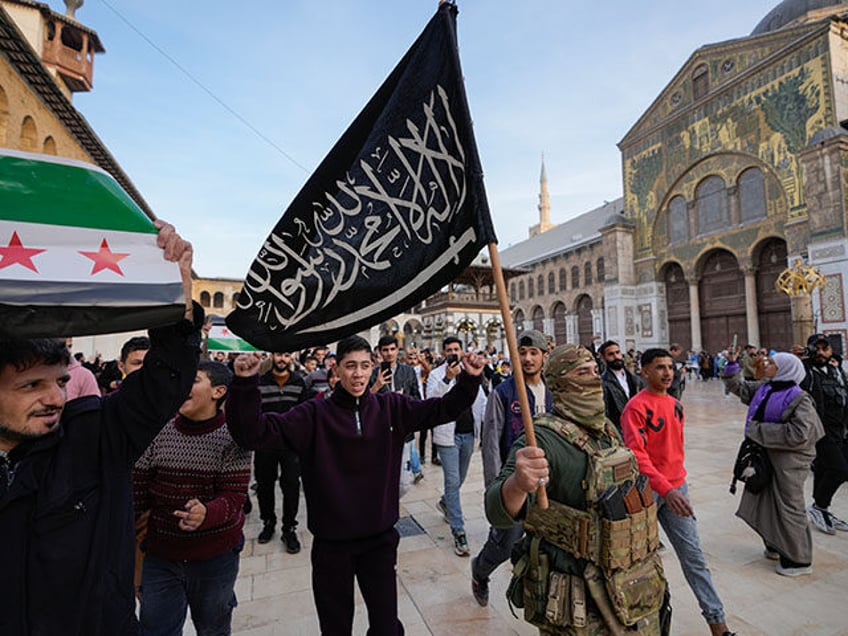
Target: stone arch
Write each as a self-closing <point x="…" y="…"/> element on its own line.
<point x="677" y="304"/>
<point x="29" y="135"/>
<point x="585" y="328"/>
<point x="774" y="311"/>
<point x="722" y="300"/>
<point x="218" y="300"/>
<point x="518" y="320"/>
<point x="558" y="314"/>
<point x="205" y="299"/>
<point x="389" y="328"/>
<point x="412" y="332"/>
<point x="538" y="315"/>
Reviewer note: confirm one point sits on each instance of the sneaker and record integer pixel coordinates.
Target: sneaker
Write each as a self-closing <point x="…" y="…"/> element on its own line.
<point x="821" y="519"/>
<point x="437" y="461"/>
<point x="418" y="477"/>
<point x="771" y="555"/>
<point x="460" y="545"/>
<point x="797" y="571"/>
<point x="266" y="533"/>
<point x="479" y="587"/>
<point x="289" y="537"/>
<point x="443" y="509"/>
<point x="838" y="524"/>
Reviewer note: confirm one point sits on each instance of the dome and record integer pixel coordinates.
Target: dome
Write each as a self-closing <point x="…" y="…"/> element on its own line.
<point x="789" y="11"/>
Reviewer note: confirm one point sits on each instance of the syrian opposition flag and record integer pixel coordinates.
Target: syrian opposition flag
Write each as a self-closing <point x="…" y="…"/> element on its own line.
<point x="395" y="211"/>
<point x="77" y="255"/>
<point x="222" y="339"/>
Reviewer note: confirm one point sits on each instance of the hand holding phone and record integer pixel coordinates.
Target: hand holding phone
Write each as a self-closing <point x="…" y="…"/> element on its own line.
<point x="386" y="371"/>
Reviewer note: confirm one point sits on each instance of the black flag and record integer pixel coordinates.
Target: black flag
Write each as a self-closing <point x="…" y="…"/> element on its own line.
<point x="395" y="211"/>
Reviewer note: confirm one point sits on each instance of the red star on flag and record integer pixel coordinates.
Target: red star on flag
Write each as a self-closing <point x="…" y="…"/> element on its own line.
<point x="15" y="252"/>
<point x="105" y="258"/>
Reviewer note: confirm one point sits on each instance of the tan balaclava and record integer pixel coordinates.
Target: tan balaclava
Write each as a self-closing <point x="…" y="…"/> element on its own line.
<point x="578" y="399"/>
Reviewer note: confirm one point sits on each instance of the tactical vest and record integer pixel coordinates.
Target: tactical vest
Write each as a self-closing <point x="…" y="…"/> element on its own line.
<point x="624" y="575"/>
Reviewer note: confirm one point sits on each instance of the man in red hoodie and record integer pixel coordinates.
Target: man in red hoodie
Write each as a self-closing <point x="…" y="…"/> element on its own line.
<point x="350" y="447"/>
<point x="652" y="425"/>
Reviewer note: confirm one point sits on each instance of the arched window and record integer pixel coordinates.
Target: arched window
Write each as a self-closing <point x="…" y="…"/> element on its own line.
<point x="563" y="280"/>
<point x="29" y="135"/>
<point x="551" y="283"/>
<point x="602" y="273"/>
<point x="752" y="194"/>
<point x="700" y="81"/>
<point x="678" y="221"/>
<point x="205" y="299"/>
<point x="530" y="288"/>
<point x="540" y="285"/>
<point x="711" y="204"/>
<point x="49" y="146"/>
<point x="518" y="321"/>
<point x="575" y="277"/>
<point x="587" y="273"/>
<point x="539" y="319"/>
<point x="235" y="300"/>
<point x="521" y="290"/>
<point x="512" y="296"/>
<point x="218" y="300"/>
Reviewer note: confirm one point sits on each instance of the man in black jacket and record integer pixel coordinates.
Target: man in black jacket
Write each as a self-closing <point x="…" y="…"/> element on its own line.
<point x="65" y="475"/>
<point x="619" y="384"/>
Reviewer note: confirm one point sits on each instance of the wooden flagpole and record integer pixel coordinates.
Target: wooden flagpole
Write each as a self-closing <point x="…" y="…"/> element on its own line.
<point x="517" y="371"/>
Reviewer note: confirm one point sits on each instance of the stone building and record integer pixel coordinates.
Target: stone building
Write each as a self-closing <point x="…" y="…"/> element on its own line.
<point x="738" y="169"/>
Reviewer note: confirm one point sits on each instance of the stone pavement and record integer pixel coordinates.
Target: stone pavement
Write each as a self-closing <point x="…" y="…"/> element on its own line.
<point x="434" y="590"/>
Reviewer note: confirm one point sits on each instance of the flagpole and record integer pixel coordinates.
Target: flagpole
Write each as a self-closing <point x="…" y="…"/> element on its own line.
<point x="517" y="371"/>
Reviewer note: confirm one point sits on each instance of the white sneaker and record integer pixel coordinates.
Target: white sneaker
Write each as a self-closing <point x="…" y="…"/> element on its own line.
<point x="821" y="519"/>
<point x="799" y="571"/>
<point x="771" y="555"/>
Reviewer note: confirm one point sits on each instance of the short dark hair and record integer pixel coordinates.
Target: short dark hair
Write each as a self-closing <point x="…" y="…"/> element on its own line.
<point x="25" y="354"/>
<point x="350" y="344"/>
<point x="137" y="343"/>
<point x="385" y="341"/>
<point x="674" y="345"/>
<point x="451" y="340"/>
<point x="606" y="346"/>
<point x="218" y="374"/>
<point x="649" y="355"/>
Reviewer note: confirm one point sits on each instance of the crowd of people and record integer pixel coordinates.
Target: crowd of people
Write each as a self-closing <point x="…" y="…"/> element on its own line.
<point x="154" y="454"/>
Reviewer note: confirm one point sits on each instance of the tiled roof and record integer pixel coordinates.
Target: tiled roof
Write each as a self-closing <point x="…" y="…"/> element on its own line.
<point x="21" y="57"/>
<point x="578" y="231"/>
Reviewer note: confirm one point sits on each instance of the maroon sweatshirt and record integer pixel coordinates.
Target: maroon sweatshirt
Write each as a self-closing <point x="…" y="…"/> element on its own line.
<point x="350" y="448"/>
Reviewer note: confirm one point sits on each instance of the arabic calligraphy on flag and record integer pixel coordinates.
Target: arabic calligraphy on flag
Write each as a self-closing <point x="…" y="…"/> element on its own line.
<point x="395" y="211"/>
<point x="77" y="255"/>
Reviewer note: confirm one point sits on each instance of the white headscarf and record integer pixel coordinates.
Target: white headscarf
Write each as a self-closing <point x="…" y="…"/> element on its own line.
<point x="789" y="368"/>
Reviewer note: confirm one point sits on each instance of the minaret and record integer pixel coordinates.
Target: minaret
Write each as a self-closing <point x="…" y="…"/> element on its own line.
<point x="544" y="204"/>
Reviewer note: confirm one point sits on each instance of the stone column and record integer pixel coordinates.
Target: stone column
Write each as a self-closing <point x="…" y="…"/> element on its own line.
<point x="695" y="315"/>
<point x="752" y="316"/>
<point x="803" y="323"/>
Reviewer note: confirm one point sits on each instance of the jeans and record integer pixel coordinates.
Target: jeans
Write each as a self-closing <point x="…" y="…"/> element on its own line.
<point x="169" y="587"/>
<point x="372" y="562"/>
<point x="496" y="550"/>
<point x="414" y="457"/>
<point x="455" y="460"/>
<point x="683" y="534"/>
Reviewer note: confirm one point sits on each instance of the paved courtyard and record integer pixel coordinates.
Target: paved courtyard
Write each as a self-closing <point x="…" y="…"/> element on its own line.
<point x="275" y="596"/>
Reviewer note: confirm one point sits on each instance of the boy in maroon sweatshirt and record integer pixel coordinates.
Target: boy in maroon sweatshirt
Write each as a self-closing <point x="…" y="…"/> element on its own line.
<point x="193" y="479"/>
<point x="350" y="448"/>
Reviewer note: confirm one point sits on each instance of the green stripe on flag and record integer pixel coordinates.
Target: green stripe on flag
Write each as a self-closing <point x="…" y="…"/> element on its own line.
<point x="51" y="190"/>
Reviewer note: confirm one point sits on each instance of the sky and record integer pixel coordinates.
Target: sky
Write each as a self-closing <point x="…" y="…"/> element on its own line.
<point x="219" y="111"/>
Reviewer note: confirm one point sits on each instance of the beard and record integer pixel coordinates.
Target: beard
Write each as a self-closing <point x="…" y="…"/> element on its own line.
<point x="616" y="365"/>
<point x="11" y="435"/>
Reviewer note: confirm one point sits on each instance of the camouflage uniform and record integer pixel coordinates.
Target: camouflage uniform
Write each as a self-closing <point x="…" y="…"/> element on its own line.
<point x="568" y="469"/>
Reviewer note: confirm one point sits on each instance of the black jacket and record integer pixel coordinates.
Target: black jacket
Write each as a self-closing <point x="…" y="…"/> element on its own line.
<point x="66" y="521"/>
<point x="614" y="396"/>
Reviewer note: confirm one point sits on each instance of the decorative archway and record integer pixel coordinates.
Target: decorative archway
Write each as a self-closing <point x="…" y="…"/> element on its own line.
<point x="722" y="301"/>
<point x="539" y="319"/>
<point x="773" y="307"/>
<point x="560" y="332"/>
<point x="677" y="305"/>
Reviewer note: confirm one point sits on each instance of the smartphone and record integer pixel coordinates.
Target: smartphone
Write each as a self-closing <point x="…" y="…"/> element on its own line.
<point x="385" y="366"/>
<point x="453" y="359"/>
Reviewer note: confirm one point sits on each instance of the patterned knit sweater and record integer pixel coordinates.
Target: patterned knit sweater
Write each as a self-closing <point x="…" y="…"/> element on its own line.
<point x="192" y="460"/>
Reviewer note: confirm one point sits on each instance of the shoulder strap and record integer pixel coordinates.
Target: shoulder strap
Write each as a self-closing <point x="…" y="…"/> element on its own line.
<point x="575" y="435"/>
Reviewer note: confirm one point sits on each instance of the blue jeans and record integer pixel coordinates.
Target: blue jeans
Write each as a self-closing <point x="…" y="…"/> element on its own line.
<point x="683" y="534"/>
<point x="455" y="460"/>
<point x="496" y="550"/>
<point x="414" y="457"/>
<point x="169" y="587"/>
